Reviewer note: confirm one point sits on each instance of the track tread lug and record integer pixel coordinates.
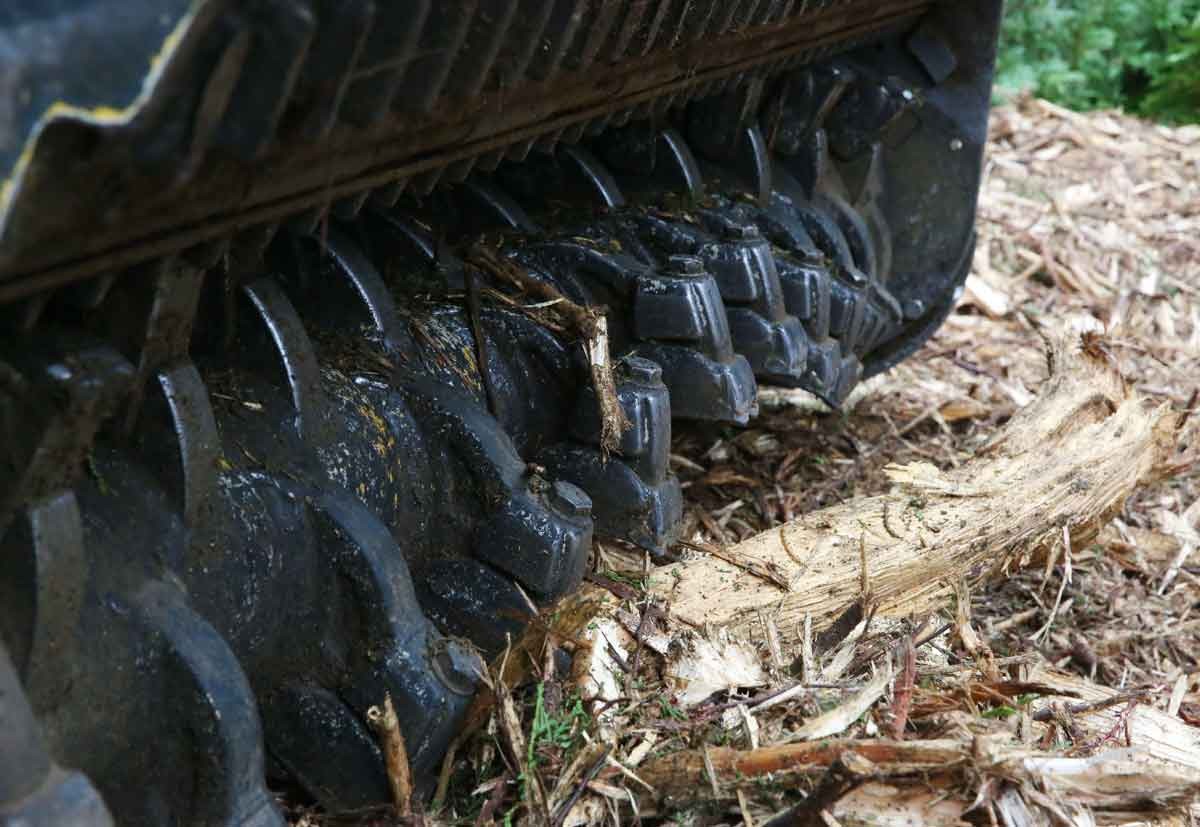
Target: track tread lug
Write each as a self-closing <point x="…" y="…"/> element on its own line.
<point x="215" y="698"/>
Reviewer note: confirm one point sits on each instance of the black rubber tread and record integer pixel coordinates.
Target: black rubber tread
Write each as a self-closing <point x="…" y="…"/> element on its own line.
<point x="33" y="789"/>
<point x="830" y="285"/>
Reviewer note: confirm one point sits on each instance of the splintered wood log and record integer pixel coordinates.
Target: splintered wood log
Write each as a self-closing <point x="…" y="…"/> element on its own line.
<point x="683" y="776"/>
<point x="1070" y="458"/>
<point x="1114" y="778"/>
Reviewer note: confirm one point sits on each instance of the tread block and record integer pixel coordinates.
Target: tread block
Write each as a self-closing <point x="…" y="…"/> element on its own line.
<point x="214" y="698"/>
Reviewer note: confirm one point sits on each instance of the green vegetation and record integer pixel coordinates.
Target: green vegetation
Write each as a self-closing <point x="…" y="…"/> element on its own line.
<point x="557" y="731"/>
<point x="670" y="711"/>
<point x="1142" y="56"/>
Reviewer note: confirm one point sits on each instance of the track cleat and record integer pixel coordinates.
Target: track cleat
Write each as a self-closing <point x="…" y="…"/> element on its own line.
<point x="743" y="266"/>
<point x="33" y="789"/>
<point x="634" y="495"/>
<point x="536" y="530"/>
<point x="673" y="316"/>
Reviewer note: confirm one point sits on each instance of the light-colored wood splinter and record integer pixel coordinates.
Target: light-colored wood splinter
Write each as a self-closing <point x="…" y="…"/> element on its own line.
<point x="395" y="754"/>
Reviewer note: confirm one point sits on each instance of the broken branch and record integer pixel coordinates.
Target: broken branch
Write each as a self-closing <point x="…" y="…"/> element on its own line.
<point x="395" y="755"/>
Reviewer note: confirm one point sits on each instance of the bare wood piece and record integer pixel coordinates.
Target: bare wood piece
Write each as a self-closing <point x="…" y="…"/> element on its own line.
<point x="1114" y="779"/>
<point x="684" y="775"/>
<point x="395" y="755"/>
<point x="1069" y="459"/>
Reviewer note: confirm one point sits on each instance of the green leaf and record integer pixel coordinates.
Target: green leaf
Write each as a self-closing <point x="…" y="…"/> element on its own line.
<point x="999" y="712"/>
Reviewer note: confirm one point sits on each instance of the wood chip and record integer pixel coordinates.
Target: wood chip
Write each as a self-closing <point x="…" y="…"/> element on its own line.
<point x="839" y="719"/>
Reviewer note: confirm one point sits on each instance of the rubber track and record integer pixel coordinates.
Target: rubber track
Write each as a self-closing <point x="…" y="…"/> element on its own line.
<point x="258" y="486"/>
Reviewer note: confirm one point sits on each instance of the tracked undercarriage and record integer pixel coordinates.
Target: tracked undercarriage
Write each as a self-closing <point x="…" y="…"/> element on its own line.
<point x="310" y="311"/>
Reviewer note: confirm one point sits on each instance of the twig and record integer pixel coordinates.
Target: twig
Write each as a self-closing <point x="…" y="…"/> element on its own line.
<point x="1044" y="632"/>
<point x="1122" y="723"/>
<point x="1181" y="527"/>
<point x="395" y="754"/>
<point x="711" y="772"/>
<point x="628" y="773"/>
<point x="920" y="637"/>
<point x="639" y="639"/>
<point x="744" y="806"/>
<point x="808" y="660"/>
<point x="588" y="777"/>
<point x="588" y="322"/>
<point x="758" y="703"/>
<point x="443" y="785"/>
<point x="773" y="644"/>
<point x="481" y="352"/>
<point x="1177" y="564"/>
<point x="621" y="590"/>
<point x="1014" y="620"/>
<point x="903" y="690"/>
<point x="1187" y="409"/>
<point x="781" y="696"/>
<point x="494" y="800"/>
<point x="1046" y="713"/>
